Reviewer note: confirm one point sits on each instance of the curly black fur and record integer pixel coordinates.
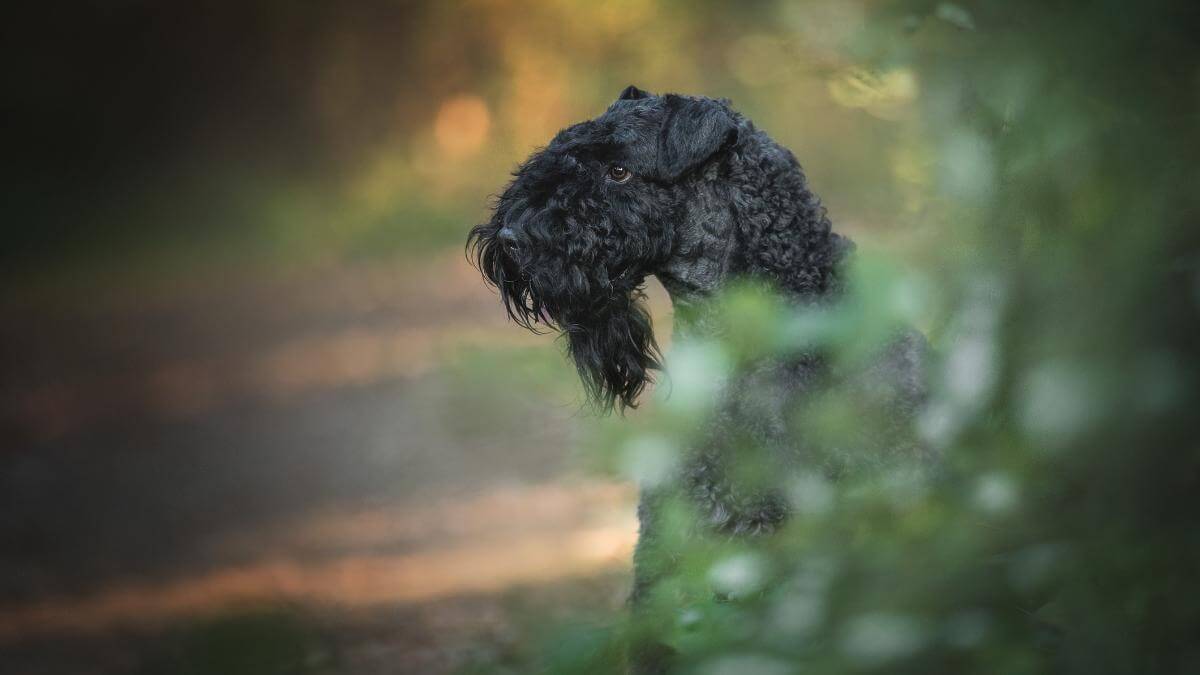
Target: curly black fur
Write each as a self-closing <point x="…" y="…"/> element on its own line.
<point x="688" y="190"/>
<point x="569" y="245"/>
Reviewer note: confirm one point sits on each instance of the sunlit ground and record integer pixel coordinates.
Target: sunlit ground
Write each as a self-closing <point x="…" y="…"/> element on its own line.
<point x="534" y="535"/>
<point x="353" y="446"/>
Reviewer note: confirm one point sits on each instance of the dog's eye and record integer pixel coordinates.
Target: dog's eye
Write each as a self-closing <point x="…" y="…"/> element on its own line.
<point x="619" y="173"/>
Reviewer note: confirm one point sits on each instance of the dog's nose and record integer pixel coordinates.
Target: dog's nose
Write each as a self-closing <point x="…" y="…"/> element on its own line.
<point x="508" y="238"/>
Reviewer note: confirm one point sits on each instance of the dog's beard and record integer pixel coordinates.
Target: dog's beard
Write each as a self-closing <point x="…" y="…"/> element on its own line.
<point x="614" y="350"/>
<point x="602" y="316"/>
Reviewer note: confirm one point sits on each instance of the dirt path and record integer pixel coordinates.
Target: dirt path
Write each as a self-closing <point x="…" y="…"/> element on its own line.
<point x="319" y="441"/>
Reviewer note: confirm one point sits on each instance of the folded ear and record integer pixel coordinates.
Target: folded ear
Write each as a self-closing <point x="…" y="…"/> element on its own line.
<point x="632" y="93"/>
<point x="694" y="130"/>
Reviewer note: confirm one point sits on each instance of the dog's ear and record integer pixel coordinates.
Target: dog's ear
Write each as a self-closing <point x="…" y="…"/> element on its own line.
<point x="694" y="129"/>
<point x="632" y="93"/>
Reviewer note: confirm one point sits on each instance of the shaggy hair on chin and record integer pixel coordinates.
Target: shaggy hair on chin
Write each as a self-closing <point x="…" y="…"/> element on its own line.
<point x="671" y="185"/>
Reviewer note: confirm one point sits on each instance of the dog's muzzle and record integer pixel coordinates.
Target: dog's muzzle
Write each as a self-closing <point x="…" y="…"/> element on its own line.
<point x="507" y="238"/>
<point x="509" y="243"/>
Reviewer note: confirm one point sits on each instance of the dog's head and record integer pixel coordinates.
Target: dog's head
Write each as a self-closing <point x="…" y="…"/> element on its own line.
<point x="585" y="220"/>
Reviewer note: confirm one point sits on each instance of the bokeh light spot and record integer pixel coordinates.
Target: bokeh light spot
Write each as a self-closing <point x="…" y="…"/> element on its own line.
<point x="738" y="575"/>
<point x="881" y="637"/>
<point x="885" y="95"/>
<point x="462" y="124"/>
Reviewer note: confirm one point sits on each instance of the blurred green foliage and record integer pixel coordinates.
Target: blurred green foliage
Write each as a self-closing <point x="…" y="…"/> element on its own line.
<point x="1057" y="531"/>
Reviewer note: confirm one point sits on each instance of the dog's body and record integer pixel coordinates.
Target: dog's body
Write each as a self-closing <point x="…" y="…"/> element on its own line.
<point x="690" y="191"/>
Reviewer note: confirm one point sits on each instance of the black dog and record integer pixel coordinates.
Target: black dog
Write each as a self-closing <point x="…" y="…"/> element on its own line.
<point x="688" y="190"/>
<point x="680" y="187"/>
